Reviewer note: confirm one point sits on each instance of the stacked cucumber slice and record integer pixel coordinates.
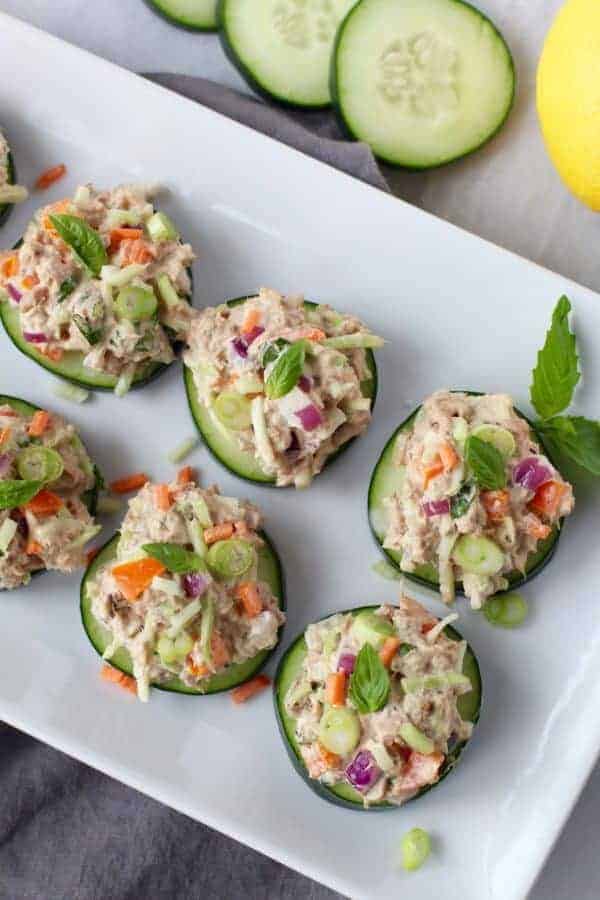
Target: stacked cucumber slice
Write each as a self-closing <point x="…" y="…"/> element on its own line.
<point x="197" y="15"/>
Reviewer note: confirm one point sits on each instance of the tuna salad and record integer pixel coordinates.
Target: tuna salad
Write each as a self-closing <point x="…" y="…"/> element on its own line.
<point x="105" y="277"/>
<point x="9" y="192"/>
<point x="181" y="591"/>
<point x="281" y="382"/>
<point x="47" y="483"/>
<point x="374" y="703"/>
<point x="477" y="497"/>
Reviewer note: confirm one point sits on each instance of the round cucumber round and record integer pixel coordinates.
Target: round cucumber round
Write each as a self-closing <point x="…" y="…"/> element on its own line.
<point x="269" y="570"/>
<point x="345" y="795"/>
<point x="224" y="446"/>
<point x="6" y="208"/>
<point x="423" y="82"/>
<point x="388" y="478"/>
<point x="195" y="15"/>
<point x="282" y="48"/>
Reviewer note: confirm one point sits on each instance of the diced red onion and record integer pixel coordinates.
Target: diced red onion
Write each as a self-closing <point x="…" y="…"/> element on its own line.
<point x="310" y="417"/>
<point x="531" y="472"/>
<point x="5" y="461"/>
<point x="436" y="507"/>
<point x="35" y="337"/>
<point x="14" y="293"/>
<point x="240" y="347"/>
<point x="194" y="584"/>
<point x="305" y="383"/>
<point x="363" y="771"/>
<point x="251" y="335"/>
<point x="346" y="663"/>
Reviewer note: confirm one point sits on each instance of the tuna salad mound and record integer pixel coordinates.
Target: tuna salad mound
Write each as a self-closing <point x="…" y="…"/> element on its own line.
<point x="48" y="486"/>
<point x="189" y="596"/>
<point x="277" y="385"/>
<point x="9" y="191"/>
<point x="376" y="704"/>
<point x="99" y="289"/>
<point x="465" y="493"/>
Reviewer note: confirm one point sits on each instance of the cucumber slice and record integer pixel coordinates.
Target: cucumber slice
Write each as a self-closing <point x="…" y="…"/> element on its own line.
<point x="223" y="444"/>
<point x="269" y="570"/>
<point x="6" y="208"/>
<point x="195" y="15"/>
<point x="387" y="478"/>
<point x="500" y="438"/>
<point x="371" y="629"/>
<point x="478" y="555"/>
<point x="469" y="706"/>
<point x="283" y="47"/>
<point x="416" y="739"/>
<point x="423" y="82"/>
<point x="339" y="730"/>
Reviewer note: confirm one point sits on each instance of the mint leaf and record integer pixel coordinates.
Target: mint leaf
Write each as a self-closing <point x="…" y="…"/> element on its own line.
<point x="86" y="242"/>
<point x="370" y="681"/>
<point x="176" y="558"/>
<point x="556" y="372"/>
<point x="576" y="437"/>
<point x="16" y="493"/>
<point x="486" y="464"/>
<point x="286" y="371"/>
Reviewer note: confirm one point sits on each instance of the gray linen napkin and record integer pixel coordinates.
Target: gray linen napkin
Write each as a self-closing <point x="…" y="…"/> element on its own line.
<point x="68" y="832"/>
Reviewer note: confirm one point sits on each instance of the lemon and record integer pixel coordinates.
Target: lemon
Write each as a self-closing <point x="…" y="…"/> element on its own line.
<point x="568" y="97"/>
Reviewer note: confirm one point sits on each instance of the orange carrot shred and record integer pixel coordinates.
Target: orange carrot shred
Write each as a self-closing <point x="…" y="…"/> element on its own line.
<point x="39" y="422"/>
<point x="431" y="471"/>
<point x="53" y="353"/>
<point x="186" y="475"/>
<point x="129" y="483"/>
<point x="45" y="503"/>
<point x="10" y="266"/>
<point x="5" y="435"/>
<point x="336" y="688"/>
<point x="50" y="176"/>
<point x="135" y="576"/>
<point x="162" y="497"/>
<point x="34" y="548"/>
<point x="114" y="676"/>
<point x="388" y="650"/>
<point x="331" y="760"/>
<point x="117" y="235"/>
<point x="30" y="281"/>
<point x="448" y="456"/>
<point x="251" y="320"/>
<point x="249" y="595"/>
<point x="218" y="533"/>
<point x="250" y="688"/>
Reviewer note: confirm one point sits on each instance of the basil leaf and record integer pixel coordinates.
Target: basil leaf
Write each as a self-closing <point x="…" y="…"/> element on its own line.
<point x="556" y="372"/>
<point x="272" y="351"/>
<point x="67" y="287"/>
<point x="286" y="371"/>
<point x="370" y="681"/>
<point x="575" y="437"/>
<point x="86" y="242"/>
<point x="176" y="558"/>
<point x="16" y="493"/>
<point x="486" y="464"/>
<point x="460" y="503"/>
<point x="92" y="335"/>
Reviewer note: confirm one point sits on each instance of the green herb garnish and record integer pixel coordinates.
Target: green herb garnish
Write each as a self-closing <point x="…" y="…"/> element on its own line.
<point x="486" y="464"/>
<point x="83" y="240"/>
<point x="370" y="681"/>
<point x="556" y="372"/>
<point x="575" y="437"/>
<point x="16" y="493"/>
<point x="286" y="371"/>
<point x="176" y="558"/>
<point x="67" y="287"/>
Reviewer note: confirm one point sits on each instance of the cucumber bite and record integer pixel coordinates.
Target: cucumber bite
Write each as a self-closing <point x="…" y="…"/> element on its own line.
<point x="99" y="289"/>
<point x="283" y="47"/>
<point x="189" y="596"/>
<point x="375" y="705"/>
<point x="48" y="494"/>
<point x="464" y="498"/>
<point x="10" y="193"/>
<point x="279" y="386"/>
<point x="423" y="82"/>
<point x="197" y="15"/>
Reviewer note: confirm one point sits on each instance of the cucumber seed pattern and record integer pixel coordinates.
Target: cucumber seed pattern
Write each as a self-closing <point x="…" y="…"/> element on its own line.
<point x="418" y="74"/>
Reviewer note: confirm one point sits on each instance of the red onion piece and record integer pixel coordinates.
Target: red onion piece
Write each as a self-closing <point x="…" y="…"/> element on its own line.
<point x="14" y="293"/>
<point x="531" y="472"/>
<point x="346" y="663"/>
<point x="5" y="461"/>
<point x="363" y="772"/>
<point x="35" y="337"/>
<point x="251" y="335"/>
<point x="194" y="584"/>
<point x="239" y="345"/>
<point x="305" y="383"/>
<point x="436" y="507"/>
<point x="310" y="417"/>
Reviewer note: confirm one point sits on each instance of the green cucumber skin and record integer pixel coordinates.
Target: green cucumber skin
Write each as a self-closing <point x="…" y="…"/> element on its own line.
<point x="220" y="683"/>
<point x="6" y="208"/>
<point x="413" y="167"/>
<point x="173" y="20"/>
<point x="266" y="481"/>
<point x="516" y="579"/>
<point x="327" y="793"/>
<point x="248" y="75"/>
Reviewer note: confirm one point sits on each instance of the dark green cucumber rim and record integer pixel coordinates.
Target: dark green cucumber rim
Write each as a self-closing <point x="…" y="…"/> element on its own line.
<point x="5" y="208"/>
<point x="516" y="579"/>
<point x="248" y="76"/>
<point x="191" y="393"/>
<point x="221" y="681"/>
<point x="150" y="372"/>
<point x="351" y="135"/>
<point x="328" y="793"/>
<point x="156" y="7"/>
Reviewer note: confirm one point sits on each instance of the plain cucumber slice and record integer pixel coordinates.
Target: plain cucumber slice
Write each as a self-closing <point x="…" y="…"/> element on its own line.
<point x="5" y="208"/>
<point x="423" y="82"/>
<point x="197" y="15"/>
<point x="469" y="706"/>
<point x="222" y="442"/>
<point x="478" y="555"/>
<point x="283" y="47"/>
<point x="269" y="570"/>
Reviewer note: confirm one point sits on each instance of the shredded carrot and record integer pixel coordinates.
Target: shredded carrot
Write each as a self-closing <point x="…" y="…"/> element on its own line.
<point x="137" y="251"/>
<point x="129" y="483"/>
<point x="50" y="176"/>
<point x="39" y="422"/>
<point x="53" y="353"/>
<point x="198" y="671"/>
<point x="107" y="673"/>
<point x="314" y="334"/>
<point x="186" y="475"/>
<point x="10" y="266"/>
<point x="388" y="651"/>
<point x="91" y="554"/>
<point x="250" y="688"/>
<point x="330" y="760"/>
<point x="249" y="595"/>
<point x="162" y="497"/>
<point x="427" y="626"/>
<point x="336" y="688"/>
<point x="251" y="320"/>
<point x="547" y="499"/>
<point x="219" y="650"/>
<point x="30" y="281"/>
<point x="432" y="471"/>
<point x="34" y="548"/>
<point x="118" y="235"/>
<point x="135" y="576"/>
<point x="5" y="435"/>
<point x="448" y="456"/>
<point x="218" y="533"/>
<point x="496" y="504"/>
<point x="535" y="528"/>
<point x="45" y="503"/>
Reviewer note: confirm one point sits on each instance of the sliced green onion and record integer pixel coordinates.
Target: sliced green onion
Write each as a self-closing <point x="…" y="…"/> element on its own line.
<point x="415" y="847"/>
<point x="116" y="277"/>
<point x="136" y="303"/>
<point x="498" y="437"/>
<point x="206" y="629"/>
<point x="506" y="610"/>
<point x="39" y="464"/>
<point x="184" y="449"/>
<point x="197" y="539"/>
<point x="82" y="195"/>
<point x="478" y="555"/>
<point x="360" y="340"/>
<point x="339" y="730"/>
<point x="167" y="292"/>
<point x="460" y="430"/>
<point x="169" y="586"/>
<point x="109" y="506"/>
<point x="416" y="739"/>
<point x="125" y="381"/>
<point x="231" y="558"/>
<point x="202" y="512"/>
<point x="183" y="618"/>
<point x="71" y="392"/>
<point x="8" y="529"/>
<point x="386" y="570"/>
<point x="165" y="648"/>
<point x="233" y="410"/>
<point x="161" y="228"/>
<point x="116" y="218"/>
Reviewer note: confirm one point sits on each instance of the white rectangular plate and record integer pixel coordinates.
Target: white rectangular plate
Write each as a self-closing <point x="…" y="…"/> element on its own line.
<point x="457" y="312"/>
